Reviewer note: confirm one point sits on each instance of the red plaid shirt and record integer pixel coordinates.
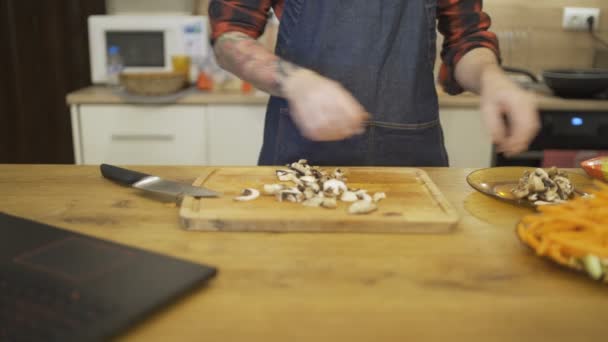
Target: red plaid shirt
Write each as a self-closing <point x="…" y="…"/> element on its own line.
<point x="462" y="22"/>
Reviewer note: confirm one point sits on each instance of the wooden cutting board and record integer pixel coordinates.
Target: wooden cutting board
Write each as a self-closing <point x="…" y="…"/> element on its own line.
<point x="413" y="204"/>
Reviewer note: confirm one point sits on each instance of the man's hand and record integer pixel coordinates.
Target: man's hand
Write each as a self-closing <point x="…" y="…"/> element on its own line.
<point x="501" y="98"/>
<point x="478" y="71"/>
<point x="321" y="108"/>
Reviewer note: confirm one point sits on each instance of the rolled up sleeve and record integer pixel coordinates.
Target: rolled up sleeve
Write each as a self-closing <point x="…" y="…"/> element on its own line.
<point x="464" y="25"/>
<point x="245" y="16"/>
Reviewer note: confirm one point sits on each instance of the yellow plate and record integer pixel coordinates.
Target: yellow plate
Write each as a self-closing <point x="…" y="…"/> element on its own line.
<point x="497" y="182"/>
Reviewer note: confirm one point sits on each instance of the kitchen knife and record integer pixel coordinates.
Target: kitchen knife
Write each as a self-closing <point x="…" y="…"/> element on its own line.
<point x="153" y="184"/>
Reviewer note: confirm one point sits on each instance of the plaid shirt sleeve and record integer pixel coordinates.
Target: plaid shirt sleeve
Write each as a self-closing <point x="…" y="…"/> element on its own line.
<point x="464" y="26"/>
<point x="245" y="16"/>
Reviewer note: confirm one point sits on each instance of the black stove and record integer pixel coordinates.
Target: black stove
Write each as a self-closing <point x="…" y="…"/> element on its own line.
<point x="563" y="130"/>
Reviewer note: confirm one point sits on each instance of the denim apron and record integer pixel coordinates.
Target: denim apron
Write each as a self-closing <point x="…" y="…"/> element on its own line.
<point x="383" y="52"/>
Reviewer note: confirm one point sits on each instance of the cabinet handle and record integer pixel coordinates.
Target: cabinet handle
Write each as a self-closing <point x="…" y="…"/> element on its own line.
<point x="142" y="137"/>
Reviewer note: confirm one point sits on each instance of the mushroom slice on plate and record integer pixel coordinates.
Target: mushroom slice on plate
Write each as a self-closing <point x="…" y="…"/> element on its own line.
<point x="248" y="195"/>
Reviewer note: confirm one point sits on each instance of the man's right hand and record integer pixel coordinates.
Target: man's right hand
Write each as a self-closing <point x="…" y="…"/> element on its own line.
<point x="321" y="108"/>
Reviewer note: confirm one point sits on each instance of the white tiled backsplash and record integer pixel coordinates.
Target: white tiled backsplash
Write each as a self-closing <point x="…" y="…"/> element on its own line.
<point x="150" y="6"/>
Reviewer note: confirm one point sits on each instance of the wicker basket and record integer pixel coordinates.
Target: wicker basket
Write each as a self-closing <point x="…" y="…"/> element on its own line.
<point x="158" y="83"/>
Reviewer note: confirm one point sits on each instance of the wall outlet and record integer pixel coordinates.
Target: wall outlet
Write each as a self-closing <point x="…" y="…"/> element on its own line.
<point x="575" y="18"/>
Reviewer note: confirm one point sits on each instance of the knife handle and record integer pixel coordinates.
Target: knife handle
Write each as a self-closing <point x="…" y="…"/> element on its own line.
<point x="120" y="175"/>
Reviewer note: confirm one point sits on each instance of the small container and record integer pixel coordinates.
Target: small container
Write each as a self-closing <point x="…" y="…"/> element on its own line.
<point x="181" y="64"/>
<point x="204" y="82"/>
<point x="596" y="168"/>
<point x="115" y="66"/>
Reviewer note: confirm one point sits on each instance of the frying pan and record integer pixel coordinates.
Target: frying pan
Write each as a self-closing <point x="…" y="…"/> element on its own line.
<point x="571" y="83"/>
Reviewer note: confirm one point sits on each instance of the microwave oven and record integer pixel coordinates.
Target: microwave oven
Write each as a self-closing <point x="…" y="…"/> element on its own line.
<point x="146" y="43"/>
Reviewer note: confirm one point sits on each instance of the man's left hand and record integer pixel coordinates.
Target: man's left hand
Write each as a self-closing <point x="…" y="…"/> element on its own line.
<point x="502" y="99"/>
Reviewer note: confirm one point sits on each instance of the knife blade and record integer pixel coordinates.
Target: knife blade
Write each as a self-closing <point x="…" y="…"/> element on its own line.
<point x="153" y="184"/>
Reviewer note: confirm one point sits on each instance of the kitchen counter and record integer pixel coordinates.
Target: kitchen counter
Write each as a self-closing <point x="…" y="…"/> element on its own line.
<point x="103" y="95"/>
<point x="477" y="283"/>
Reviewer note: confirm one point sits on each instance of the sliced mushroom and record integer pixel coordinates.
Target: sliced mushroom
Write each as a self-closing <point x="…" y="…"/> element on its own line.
<point x="315" y="187"/>
<point x="363" y="195"/>
<point x="339" y="174"/>
<point x="349" y="196"/>
<point x="541" y="186"/>
<point x="521" y="191"/>
<point x="314" y="202"/>
<point x="319" y="174"/>
<point x="273" y="189"/>
<point x="248" y="195"/>
<point x="379" y="196"/>
<point x="329" y="203"/>
<point x="362" y="207"/>
<point x="309" y="193"/>
<point x="285" y="175"/>
<point x="290" y="195"/>
<point x="552" y="172"/>
<point x="292" y="177"/>
<point x="301" y="167"/>
<point x="565" y="186"/>
<point x="536" y="183"/>
<point x="334" y="186"/>
<point x="308" y="179"/>
<point x="541" y="173"/>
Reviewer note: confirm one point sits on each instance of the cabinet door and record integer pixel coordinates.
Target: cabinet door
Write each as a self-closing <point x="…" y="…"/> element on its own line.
<point x="235" y="134"/>
<point x="466" y="139"/>
<point x="144" y="135"/>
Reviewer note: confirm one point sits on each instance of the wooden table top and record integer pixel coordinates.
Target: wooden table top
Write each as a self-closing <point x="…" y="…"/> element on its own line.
<point x="478" y="283"/>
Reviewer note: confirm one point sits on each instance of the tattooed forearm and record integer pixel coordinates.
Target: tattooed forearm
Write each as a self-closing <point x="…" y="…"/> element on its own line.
<point x="249" y="60"/>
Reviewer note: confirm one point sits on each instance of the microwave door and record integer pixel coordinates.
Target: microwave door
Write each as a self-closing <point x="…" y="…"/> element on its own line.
<point x="140" y="50"/>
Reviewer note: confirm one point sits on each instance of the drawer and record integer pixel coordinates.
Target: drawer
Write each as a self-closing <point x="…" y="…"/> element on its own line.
<point x="143" y="135"/>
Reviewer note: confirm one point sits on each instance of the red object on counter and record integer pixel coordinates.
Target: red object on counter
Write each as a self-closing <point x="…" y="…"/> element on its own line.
<point x="204" y="82"/>
<point x="596" y="168"/>
<point x="568" y="159"/>
<point x="246" y="87"/>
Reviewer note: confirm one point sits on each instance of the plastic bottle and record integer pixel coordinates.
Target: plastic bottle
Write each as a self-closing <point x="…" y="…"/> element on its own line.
<point x="115" y="66"/>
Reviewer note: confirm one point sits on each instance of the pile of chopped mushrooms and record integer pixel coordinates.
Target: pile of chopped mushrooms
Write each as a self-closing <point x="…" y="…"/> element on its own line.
<point x="544" y="187"/>
<point x="313" y="187"/>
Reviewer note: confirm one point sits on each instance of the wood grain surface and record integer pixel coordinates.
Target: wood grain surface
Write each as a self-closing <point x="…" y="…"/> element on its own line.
<point x="414" y="204"/>
<point x="477" y="284"/>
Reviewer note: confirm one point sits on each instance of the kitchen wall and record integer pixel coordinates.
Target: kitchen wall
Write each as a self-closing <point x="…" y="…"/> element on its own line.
<point x="530" y="32"/>
<point x="150" y="6"/>
<point x="532" y="37"/>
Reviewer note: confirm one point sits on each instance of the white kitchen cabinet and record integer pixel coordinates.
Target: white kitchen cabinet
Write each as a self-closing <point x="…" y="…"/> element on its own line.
<point x="466" y="139"/>
<point x="144" y="135"/>
<point x="217" y="134"/>
<point x="235" y="134"/>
